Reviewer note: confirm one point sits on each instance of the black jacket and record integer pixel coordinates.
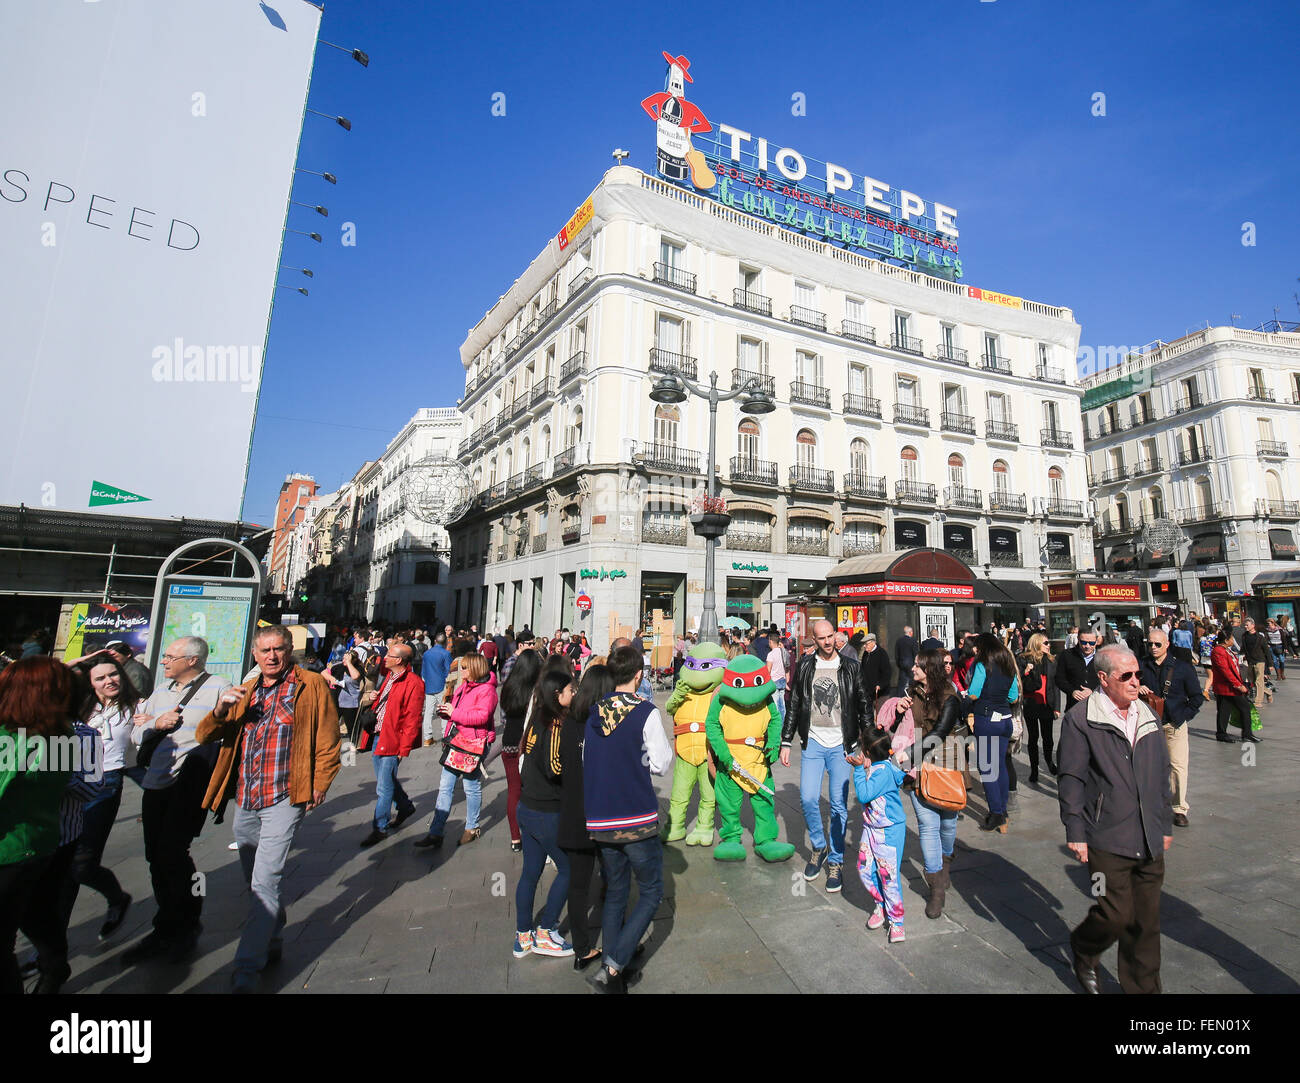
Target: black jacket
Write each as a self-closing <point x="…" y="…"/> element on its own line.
<point x="1255" y="649"/>
<point x="1045" y="667"/>
<point x="1114" y="796"/>
<point x="1073" y="673"/>
<point x="855" y="703"/>
<point x="905" y="651"/>
<point x="1185" y="697"/>
<point x="572" y="831"/>
<point x="877" y="671"/>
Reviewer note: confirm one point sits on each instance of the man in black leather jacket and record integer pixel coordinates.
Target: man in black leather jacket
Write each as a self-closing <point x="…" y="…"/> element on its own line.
<point x="828" y="704"/>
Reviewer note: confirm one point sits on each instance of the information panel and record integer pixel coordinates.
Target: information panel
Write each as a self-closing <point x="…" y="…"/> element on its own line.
<point x="221" y="613"/>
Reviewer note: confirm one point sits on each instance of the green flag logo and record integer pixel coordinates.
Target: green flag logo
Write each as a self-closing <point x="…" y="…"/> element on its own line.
<point x="101" y="494"/>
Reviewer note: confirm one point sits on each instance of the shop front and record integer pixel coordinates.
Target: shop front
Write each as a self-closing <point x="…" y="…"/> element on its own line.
<point x="1006" y="601"/>
<point x="1214" y="594"/>
<point x="748" y="592"/>
<point x="1077" y="603"/>
<point x="664" y="591"/>
<point x="1278" y="593"/>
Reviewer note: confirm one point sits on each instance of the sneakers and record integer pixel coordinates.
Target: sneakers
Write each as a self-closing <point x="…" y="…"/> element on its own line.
<point x="834" y="876"/>
<point x="116" y="915"/>
<point x="814" y="866"/>
<point x="877" y="918"/>
<point x="896" y="934"/>
<point x="523" y="944"/>
<point x="550" y="942"/>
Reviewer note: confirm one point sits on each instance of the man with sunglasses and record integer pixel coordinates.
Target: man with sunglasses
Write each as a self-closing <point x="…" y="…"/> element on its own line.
<point x="1076" y="675"/>
<point x="1175" y="681"/>
<point x="1115" y="804"/>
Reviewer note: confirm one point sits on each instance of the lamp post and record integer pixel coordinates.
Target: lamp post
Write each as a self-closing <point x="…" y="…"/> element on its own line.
<point x="673" y="388"/>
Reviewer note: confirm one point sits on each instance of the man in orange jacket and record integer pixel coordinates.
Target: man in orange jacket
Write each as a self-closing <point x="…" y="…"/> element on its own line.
<point x="399" y="706"/>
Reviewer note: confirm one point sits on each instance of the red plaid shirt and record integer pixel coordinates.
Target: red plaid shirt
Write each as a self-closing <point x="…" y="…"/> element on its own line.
<point x="264" y="769"/>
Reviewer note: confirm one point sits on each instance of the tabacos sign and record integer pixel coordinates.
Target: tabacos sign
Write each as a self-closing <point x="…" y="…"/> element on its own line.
<point x="779" y="184"/>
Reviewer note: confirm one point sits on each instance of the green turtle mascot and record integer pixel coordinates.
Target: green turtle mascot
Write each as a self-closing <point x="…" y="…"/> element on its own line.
<point x="698" y="679"/>
<point x="744" y="732"/>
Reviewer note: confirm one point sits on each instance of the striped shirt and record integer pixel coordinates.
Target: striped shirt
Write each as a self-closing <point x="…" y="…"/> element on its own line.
<point x="264" y="767"/>
<point x="84" y="782"/>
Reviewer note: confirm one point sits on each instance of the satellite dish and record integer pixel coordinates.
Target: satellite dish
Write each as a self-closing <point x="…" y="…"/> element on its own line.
<point x="437" y="491"/>
<point x="1161" y="537"/>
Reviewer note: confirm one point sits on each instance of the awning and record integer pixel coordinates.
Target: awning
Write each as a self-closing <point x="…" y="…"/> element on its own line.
<point x="1288" y="578"/>
<point x="1009" y="592"/>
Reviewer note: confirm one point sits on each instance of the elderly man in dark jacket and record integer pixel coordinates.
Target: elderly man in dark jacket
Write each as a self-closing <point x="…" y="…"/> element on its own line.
<point x="1115" y="804"/>
<point x="1165" y="675"/>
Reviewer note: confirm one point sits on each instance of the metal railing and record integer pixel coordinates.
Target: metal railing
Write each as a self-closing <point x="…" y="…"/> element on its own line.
<point x="964" y="423"/>
<point x="1284" y="509"/>
<point x="812" y="477"/>
<point x="906" y="344"/>
<point x="676" y="364"/>
<point x="747" y="471"/>
<point x="1260" y="394"/>
<point x="1107" y="427"/>
<point x="959" y="496"/>
<point x="754" y="541"/>
<point x="1057" y="438"/>
<point x="1199" y="514"/>
<point x="1147" y="466"/>
<point x="739" y="377"/>
<point x="578" y="281"/>
<point x="861" y="405"/>
<point x="808" y="317"/>
<point x="751" y="302"/>
<point x="1014" y="503"/>
<point x="1115" y="473"/>
<point x="667" y="275"/>
<point x="992" y="362"/>
<point x="539" y="543"/>
<point x="668" y="458"/>
<point x="955" y="354"/>
<point x="859" y="547"/>
<point x="659" y="533"/>
<point x="1190" y="456"/>
<point x="1002" y="430"/>
<point x="1049" y="374"/>
<point x="1065" y="509"/>
<point x="1191" y="402"/>
<point x="857" y="483"/>
<point x="916" y="492"/>
<point x="801" y="545"/>
<point x="906" y="414"/>
<point x="573" y="366"/>
<point x="1006" y="560"/>
<point x="540" y="392"/>
<point x="565" y="460"/>
<point x="966" y="556"/>
<point x="1271" y="449"/>
<point x="810" y="394"/>
<point x="1061" y="562"/>
<point x="533" y="476"/>
<point x="858" y="332"/>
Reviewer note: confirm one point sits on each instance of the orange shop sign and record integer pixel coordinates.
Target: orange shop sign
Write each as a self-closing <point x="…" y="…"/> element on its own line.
<point x="1060" y="592"/>
<point x="575" y="224"/>
<point x="1112" y="592"/>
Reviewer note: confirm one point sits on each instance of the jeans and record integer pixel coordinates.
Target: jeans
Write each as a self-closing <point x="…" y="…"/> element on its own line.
<point x="937" y="829"/>
<point x="1279" y="659"/>
<point x="447" y="790"/>
<point x="780" y="698"/>
<point x="619" y="862"/>
<point x="99" y="816"/>
<point x="428" y="722"/>
<point x="815" y="762"/>
<point x="264" y="837"/>
<point x="992" y="733"/>
<point x="539" y="830"/>
<point x="389" y="789"/>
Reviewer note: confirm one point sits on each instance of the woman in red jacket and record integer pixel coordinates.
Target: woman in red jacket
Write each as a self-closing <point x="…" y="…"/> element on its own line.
<point x="470" y="715"/>
<point x="399" y="706"/>
<point x="1229" y="689"/>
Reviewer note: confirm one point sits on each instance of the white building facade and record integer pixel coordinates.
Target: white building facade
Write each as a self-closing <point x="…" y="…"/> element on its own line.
<point x="910" y="412"/>
<point x="1202" y="432"/>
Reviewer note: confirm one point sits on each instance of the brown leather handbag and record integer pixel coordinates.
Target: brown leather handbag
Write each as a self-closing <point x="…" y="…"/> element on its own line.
<point x="942" y="788"/>
<point x="1157" y="703"/>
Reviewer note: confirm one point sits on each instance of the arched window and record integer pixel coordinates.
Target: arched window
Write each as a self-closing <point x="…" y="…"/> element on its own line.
<point x="860" y="457"/>
<point x="956" y="471"/>
<point x="525" y="453"/>
<point x="907" y="463"/>
<point x="1121" y="511"/>
<point x="478" y="479"/>
<point x="1001" y="474"/>
<point x="806" y="448"/>
<point x="546" y="441"/>
<point x="1157" y="500"/>
<point x="1056" y="483"/>
<point x="507" y="468"/>
<point x="575" y="427"/>
<point x="1204" y="492"/>
<point x="666" y="422"/>
<point x="747" y="440"/>
<point x="492" y="471"/>
<point x="1273" y="487"/>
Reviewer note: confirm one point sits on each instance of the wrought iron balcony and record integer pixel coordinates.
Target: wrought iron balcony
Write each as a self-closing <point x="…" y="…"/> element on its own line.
<point x="1260" y="394"/>
<point x="992" y="362"/>
<point x="1114" y="474"/>
<point x="751" y="302"/>
<point x="1057" y="438"/>
<point x="1107" y="427"/>
<point x="573" y="366"/>
<point x="533" y="476"/>
<point x="966" y="556"/>
<point x="1049" y="374"/>
<point x="858" y="332"/>
<point x="907" y="414"/>
<point x="520" y="547"/>
<point x="667" y="458"/>
<point x="1191" y="402"/>
<point x="1199" y="514"/>
<point x="868" y="486"/>
<point x="765" y="382"/>
<point x="955" y="354"/>
<point x="906" y="344"/>
<point x="915" y="492"/>
<point x="1109" y="527"/>
<point x="464" y="446"/>
<point x="1271" y="449"/>
<point x="518" y="407"/>
<point x="667" y="275"/>
<point x="1006" y="560"/>
<point x="959" y="496"/>
<point x="1147" y="466"/>
<point x="540" y="392"/>
<point x="1061" y="562"/>
<point x="515" y="484"/>
<point x="1284" y="509"/>
<point x="1144" y="417"/>
<point x="495" y="494"/>
<point x="539" y="543"/>
<point x="810" y="394"/>
<point x="1002" y="430"/>
<point x="861" y="406"/>
<point x="964" y="423"/>
<point x="570" y="533"/>
<point x="859" y="547"/>
<point x="1190" y="456"/>
<point x="548" y="310"/>
<point x="1064" y="509"/>
<point x="1008" y="503"/>
<point x="662" y="533"/>
<point x="755" y="541"/>
<point x="747" y="471"/>
<point x="802" y="545"/>
<point x="808" y="317"/>
<point x="813" y="478"/>
<point x="675" y="364"/>
<point x="565" y="460"/>
<point x="578" y="281"/>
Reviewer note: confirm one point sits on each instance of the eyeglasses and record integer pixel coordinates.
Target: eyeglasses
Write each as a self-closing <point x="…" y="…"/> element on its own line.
<point x="1087" y="643"/>
<point x="948" y="662"/>
<point x="1155" y="642"/>
<point x="1126" y="676"/>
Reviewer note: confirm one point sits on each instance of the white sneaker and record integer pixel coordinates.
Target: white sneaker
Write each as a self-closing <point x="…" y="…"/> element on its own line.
<point x="233" y="846"/>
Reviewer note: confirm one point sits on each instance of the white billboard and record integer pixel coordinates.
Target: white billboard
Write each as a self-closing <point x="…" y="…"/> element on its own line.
<point x="146" y="157"/>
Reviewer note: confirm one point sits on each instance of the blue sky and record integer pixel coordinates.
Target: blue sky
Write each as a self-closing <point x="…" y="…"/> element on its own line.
<point x="1133" y="219"/>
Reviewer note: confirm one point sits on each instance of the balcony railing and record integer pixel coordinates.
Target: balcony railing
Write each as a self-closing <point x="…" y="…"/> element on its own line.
<point x="1190" y="456"/>
<point x="518" y="407"/>
<point x="1064" y="509"/>
<point x="1191" y="402"/>
<point x="751" y="302"/>
<point x="906" y="414"/>
<point x="501" y="552"/>
<point x="966" y="556"/>
<point x="1107" y="427"/>
<point x="861" y="405"/>
<point x="1147" y="466"/>
<point x="964" y="423"/>
<point x="906" y="344"/>
<point x="1006" y="560"/>
<point x="578" y="281"/>
<point x="570" y="533"/>
<point x="1144" y="417"/>
<point x="1271" y="449"/>
<point x="992" y="362"/>
<point x="1260" y="394"/>
<point x="1199" y="514"/>
<point x="1284" y="509"/>
<point x="539" y="543"/>
<point x="1002" y="430"/>
<point x="1049" y="374"/>
<point x="767" y="383"/>
<point x="540" y="392"/>
<point x="868" y="486"/>
<point x="1108" y="527"/>
<point x="573" y="366"/>
<point x="495" y="494"/>
<point x="959" y="496"/>
<point x="548" y="310"/>
<point x="808" y="317"/>
<point x="668" y="458"/>
<point x="1115" y="473"/>
<point x="1008" y="503"/>
<point x="747" y="471"/>
<point x="565" y="460"/>
<point x="858" y="332"/>
<point x="810" y="394"/>
<point x="1061" y="562"/>
<point x="802" y="545"/>
<point x="515" y="484"/>
<point x="859" y="547"/>
<point x="678" y="279"/>
<point x="915" y="492"/>
<point x="660" y="533"/>
<point x="533" y="476"/>
<point x="813" y="478"/>
<point x="675" y="364"/>
<point x="954" y="354"/>
<point x="754" y="541"/>
<point x="1057" y="438"/>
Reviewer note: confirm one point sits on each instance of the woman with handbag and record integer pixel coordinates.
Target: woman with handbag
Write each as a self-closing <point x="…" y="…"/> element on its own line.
<point x="352" y="685"/>
<point x="932" y="711"/>
<point x="994" y="687"/>
<point x="1042" y="701"/>
<point x="516" y="696"/>
<point x="470" y="730"/>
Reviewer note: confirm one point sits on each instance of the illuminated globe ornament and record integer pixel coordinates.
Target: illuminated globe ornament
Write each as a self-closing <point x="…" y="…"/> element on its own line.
<point x="437" y="491"/>
<point x="1161" y="537"/>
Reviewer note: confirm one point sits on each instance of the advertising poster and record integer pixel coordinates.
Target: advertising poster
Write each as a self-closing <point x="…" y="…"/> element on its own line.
<point x="223" y="614"/>
<point x="936" y="620"/>
<point x="1281" y="609"/>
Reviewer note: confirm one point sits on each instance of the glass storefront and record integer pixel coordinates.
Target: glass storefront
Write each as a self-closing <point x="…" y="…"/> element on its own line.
<point x="665" y="591"/>
<point x="748" y="598"/>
